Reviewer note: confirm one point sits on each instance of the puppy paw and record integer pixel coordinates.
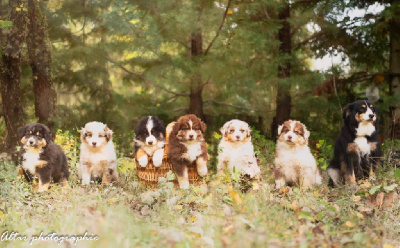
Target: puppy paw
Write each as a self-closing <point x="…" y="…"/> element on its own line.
<point x="158" y="157"/>
<point x="184" y="184"/>
<point x="279" y="183"/>
<point x="143" y="161"/>
<point x="202" y="171"/>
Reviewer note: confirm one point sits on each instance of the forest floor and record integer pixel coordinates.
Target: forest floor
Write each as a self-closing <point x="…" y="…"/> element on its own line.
<point x="218" y="213"/>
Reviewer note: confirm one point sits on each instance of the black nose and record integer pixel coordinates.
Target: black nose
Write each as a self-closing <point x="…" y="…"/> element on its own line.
<point x="289" y="137"/>
<point x="191" y="136"/>
<point x="94" y="143"/>
<point x="30" y="142"/>
<point x="150" y="142"/>
<point x="237" y="137"/>
<point x="371" y="116"/>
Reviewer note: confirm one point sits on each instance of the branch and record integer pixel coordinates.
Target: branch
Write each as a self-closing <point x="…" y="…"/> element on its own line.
<point x="220" y="27"/>
<point x="145" y="79"/>
<point x="228" y="104"/>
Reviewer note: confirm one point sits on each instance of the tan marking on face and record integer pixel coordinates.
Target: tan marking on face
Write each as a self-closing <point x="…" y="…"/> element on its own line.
<point x="359" y="117"/>
<point x="24" y="140"/>
<point x="364" y="106"/>
<point x="285" y="128"/>
<point x="37" y="133"/>
<point x="371" y="106"/>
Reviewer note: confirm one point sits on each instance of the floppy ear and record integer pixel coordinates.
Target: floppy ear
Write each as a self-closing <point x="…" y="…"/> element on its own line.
<point x="203" y="127"/>
<point x="48" y="135"/>
<point x="280" y="129"/>
<point x="347" y="110"/>
<point x="21" y="131"/>
<point x="248" y="131"/>
<point x="108" y="132"/>
<point x="83" y="132"/>
<point x="224" y="128"/>
<point x="306" y="134"/>
<point x="175" y="128"/>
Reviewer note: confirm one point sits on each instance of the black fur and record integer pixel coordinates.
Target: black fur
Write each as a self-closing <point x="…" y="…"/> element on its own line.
<point x="141" y="132"/>
<point x="57" y="165"/>
<point x="345" y="161"/>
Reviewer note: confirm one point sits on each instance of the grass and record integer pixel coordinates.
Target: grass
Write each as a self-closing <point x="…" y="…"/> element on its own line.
<point x="215" y="214"/>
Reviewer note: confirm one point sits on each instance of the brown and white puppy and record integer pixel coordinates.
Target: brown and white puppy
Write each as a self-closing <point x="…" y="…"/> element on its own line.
<point x="98" y="160"/>
<point x="187" y="147"/>
<point x="235" y="149"/>
<point x="294" y="163"/>
<point x="41" y="157"/>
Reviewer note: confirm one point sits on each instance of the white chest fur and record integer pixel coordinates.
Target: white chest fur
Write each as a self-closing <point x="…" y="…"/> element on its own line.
<point x="193" y="151"/>
<point x="31" y="159"/>
<point x="363" y="145"/>
<point x="365" y="128"/>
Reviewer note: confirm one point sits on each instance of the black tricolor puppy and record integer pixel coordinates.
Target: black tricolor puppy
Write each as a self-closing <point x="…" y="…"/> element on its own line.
<point x="357" y="149"/>
<point x="149" y="140"/>
<point x="41" y="157"/>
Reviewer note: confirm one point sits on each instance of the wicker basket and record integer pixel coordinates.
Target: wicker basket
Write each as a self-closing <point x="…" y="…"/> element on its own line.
<point x="150" y="174"/>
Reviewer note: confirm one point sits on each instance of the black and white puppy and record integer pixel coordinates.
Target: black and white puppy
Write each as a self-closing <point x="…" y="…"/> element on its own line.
<point x="357" y="149"/>
<point x="41" y="157"/>
<point x="149" y="140"/>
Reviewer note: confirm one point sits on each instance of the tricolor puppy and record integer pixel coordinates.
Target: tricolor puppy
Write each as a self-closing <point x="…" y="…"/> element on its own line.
<point x="187" y="147"/>
<point x="235" y="149"/>
<point x="41" y="157"/>
<point x="357" y="149"/>
<point x="98" y="160"/>
<point x="294" y="163"/>
<point x="149" y="140"/>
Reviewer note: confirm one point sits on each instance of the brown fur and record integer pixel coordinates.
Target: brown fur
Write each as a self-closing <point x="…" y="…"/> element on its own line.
<point x="178" y="154"/>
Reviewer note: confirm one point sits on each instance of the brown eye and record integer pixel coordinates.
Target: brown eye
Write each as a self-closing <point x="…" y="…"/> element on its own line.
<point x="296" y="132"/>
<point x="231" y="131"/>
<point x="90" y="135"/>
<point x="100" y="136"/>
<point x="241" y="130"/>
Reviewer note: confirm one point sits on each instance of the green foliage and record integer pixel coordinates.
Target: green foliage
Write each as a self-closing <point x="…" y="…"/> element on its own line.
<point x="323" y="154"/>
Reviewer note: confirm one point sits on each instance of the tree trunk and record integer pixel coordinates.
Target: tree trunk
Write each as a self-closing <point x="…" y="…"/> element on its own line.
<point x="10" y="72"/>
<point x="395" y="73"/>
<point x="196" y="89"/>
<point x="283" y="98"/>
<point x="40" y="62"/>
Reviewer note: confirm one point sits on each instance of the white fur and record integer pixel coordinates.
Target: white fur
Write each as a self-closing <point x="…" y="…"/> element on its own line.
<point x="365" y="129"/>
<point x="193" y="150"/>
<point x="237" y="154"/>
<point x="104" y="151"/>
<point x="158" y="157"/>
<point x="31" y="159"/>
<point x="362" y="143"/>
<point x="295" y="161"/>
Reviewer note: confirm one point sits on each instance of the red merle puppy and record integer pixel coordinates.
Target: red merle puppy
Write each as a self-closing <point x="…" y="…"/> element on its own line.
<point x="357" y="149"/>
<point x="187" y="147"/>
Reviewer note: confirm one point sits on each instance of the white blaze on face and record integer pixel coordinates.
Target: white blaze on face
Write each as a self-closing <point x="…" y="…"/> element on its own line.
<point x="191" y="134"/>
<point x="291" y="136"/>
<point x="366" y="116"/>
<point x="31" y="141"/>
<point x="95" y="134"/>
<point x="150" y="140"/>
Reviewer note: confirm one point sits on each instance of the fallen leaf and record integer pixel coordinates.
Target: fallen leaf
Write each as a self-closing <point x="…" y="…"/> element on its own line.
<point x="349" y="224"/>
<point x="356" y="198"/>
<point x="379" y="199"/>
<point x="178" y="207"/>
<point x="228" y="229"/>
<point x="235" y="196"/>
<point x="391" y="198"/>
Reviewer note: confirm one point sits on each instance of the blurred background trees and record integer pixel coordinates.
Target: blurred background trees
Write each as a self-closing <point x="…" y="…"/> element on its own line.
<point x="68" y="62"/>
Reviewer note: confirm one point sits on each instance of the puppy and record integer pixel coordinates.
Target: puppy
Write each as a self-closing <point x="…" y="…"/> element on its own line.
<point x="149" y="140"/>
<point x="357" y="149"/>
<point x="187" y="147"/>
<point x="294" y="163"/>
<point x="41" y="157"/>
<point x="236" y="150"/>
<point x="98" y="160"/>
